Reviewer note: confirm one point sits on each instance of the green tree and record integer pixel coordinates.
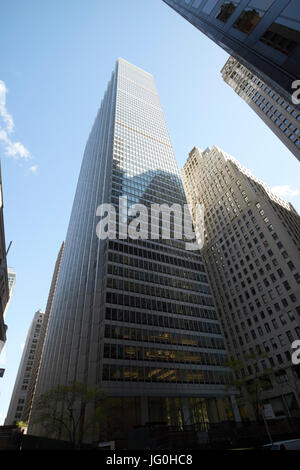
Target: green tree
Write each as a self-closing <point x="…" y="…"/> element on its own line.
<point x="21" y="425"/>
<point x="69" y="411"/>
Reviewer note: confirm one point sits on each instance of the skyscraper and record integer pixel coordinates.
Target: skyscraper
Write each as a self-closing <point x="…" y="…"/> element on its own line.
<point x="135" y="317"/>
<point x="40" y="345"/>
<point x="11" y="276"/>
<point x="264" y="35"/>
<point x="4" y="289"/>
<point x="19" y="395"/>
<point x="281" y="117"/>
<point x="251" y="251"/>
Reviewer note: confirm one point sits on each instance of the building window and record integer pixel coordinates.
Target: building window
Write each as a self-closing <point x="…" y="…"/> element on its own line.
<point x="286" y="285"/>
<point x="279" y="290"/>
<point x="281" y="376"/>
<point x="274" y="344"/>
<point x="279" y="359"/>
<point x="247" y="20"/>
<point x="281" y="340"/>
<point x="264" y="364"/>
<point x="280" y="273"/>
<point x="226" y="11"/>
<point x="281" y="38"/>
<point x="291" y="315"/>
<point x="290" y="336"/>
<point x="297" y="278"/>
<point x="267" y="328"/>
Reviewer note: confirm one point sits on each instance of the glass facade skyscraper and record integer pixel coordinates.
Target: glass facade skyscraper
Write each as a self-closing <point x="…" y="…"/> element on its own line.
<point x="264" y="35"/>
<point x="134" y="317"/>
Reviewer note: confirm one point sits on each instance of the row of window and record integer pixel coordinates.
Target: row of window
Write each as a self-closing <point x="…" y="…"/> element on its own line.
<point x="157" y="278"/>
<point x="161" y="320"/>
<point x="151" y="303"/>
<point x="135" y="248"/>
<point x="142" y="263"/>
<point x="151" y="374"/>
<point x="138" y="353"/>
<point x="162" y="337"/>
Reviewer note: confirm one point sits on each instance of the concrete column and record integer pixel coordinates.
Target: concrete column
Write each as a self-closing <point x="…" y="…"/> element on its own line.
<point x="187" y="419"/>
<point x="144" y="410"/>
<point x="235" y="409"/>
<point x="221" y="408"/>
<point x="212" y="410"/>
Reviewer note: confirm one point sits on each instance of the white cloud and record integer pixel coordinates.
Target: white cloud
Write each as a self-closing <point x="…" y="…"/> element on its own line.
<point x="33" y="168"/>
<point x="285" y="191"/>
<point x="16" y="149"/>
<point x="7" y="118"/>
<point x="12" y="149"/>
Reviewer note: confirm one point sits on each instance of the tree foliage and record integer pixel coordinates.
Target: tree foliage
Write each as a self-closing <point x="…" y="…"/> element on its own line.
<point x="62" y="411"/>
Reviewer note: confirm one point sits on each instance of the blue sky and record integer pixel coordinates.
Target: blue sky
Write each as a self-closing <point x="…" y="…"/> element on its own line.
<point x="56" y="60"/>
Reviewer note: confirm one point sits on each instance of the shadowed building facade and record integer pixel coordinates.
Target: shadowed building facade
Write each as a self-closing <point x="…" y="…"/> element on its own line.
<point x="40" y="345"/>
<point x="134" y="317"/>
<point x="25" y="371"/>
<point x="264" y="35"/>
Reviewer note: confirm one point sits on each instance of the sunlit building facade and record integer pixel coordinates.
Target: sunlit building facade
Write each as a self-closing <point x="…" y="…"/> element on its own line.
<point x="11" y="277"/>
<point x="134" y="317"/>
<point x="252" y="256"/>
<point x="280" y="116"/>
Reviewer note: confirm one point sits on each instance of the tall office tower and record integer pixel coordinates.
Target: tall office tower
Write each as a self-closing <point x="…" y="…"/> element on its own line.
<point x="40" y="345"/>
<point x="11" y="276"/>
<point x="264" y="35"/>
<point x="11" y="280"/>
<point x="20" y="390"/>
<point x="281" y="117"/>
<point x="134" y="317"/>
<point x="4" y="289"/>
<point x="251" y="252"/>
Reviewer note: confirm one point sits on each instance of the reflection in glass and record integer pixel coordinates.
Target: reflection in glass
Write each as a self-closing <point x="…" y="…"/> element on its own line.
<point x="281" y="38"/>
<point x="247" y="21"/>
<point x="226" y="11"/>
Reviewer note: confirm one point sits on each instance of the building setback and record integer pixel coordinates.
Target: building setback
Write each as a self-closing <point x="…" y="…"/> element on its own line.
<point x="251" y="250"/>
<point x="264" y="35"/>
<point x="40" y="345"/>
<point x="279" y="115"/>
<point x="134" y="317"/>
<point x="19" y="395"/>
